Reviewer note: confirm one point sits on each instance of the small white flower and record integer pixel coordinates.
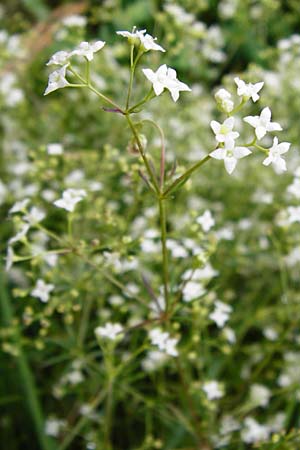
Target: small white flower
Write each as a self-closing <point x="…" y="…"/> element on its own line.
<point x="206" y="220"/>
<point x="35" y="215"/>
<point x="87" y="50"/>
<point x="254" y="431"/>
<point x="19" y="236"/>
<point x="224" y="131"/>
<point x="165" y="77"/>
<point x="55" y="149"/>
<point x="53" y="426"/>
<point x="19" y="206"/>
<point x="248" y="90"/>
<point x="275" y="152"/>
<point x="230" y="155"/>
<point x="70" y="198"/>
<point x="212" y="390"/>
<point x="163" y="341"/>
<point x="57" y="80"/>
<point x="42" y="290"/>
<point x="294" y="214"/>
<point x="262" y="123"/>
<point x="109" y="331"/>
<point x="192" y="290"/>
<point x="60" y="58"/>
<point x="146" y="40"/>
<point x="221" y="313"/>
<point x="259" y="395"/>
<point x="223" y="99"/>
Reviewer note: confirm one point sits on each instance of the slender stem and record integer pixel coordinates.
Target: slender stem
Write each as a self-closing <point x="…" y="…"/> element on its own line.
<point x="163" y="151"/>
<point x="27" y="379"/>
<point x="144" y="100"/>
<point x="186" y="174"/>
<point x="141" y="150"/>
<point x="131" y="76"/>
<point x="109" y="413"/>
<point x="165" y="264"/>
<point x="265" y="150"/>
<point x="88" y="71"/>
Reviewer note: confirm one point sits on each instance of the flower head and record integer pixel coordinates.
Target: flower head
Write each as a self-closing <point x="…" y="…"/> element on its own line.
<point x="87" y="50"/>
<point x="230" y="154"/>
<point x="212" y="390"/>
<point x="60" y="58"/>
<point x="165" y="77"/>
<point x="224" y="131"/>
<point x="206" y="220"/>
<point x="42" y="290"/>
<point x="70" y="198"/>
<point x="262" y="123"/>
<point x="274" y="154"/>
<point x="57" y="80"/>
<point x="109" y="331"/>
<point x="223" y="99"/>
<point x="164" y="342"/>
<point x="248" y="90"/>
<point x="145" y="40"/>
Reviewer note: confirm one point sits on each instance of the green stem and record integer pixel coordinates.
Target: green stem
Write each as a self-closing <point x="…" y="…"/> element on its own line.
<point x="141" y="151"/>
<point x="186" y="174"/>
<point x="147" y="97"/>
<point x="162" y="153"/>
<point x="26" y="378"/>
<point x="165" y="264"/>
<point x="133" y="65"/>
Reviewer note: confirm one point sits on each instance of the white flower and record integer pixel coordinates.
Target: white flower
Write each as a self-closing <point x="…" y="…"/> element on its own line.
<point x="192" y="290"/>
<point x="87" y="50"/>
<point x="165" y="77"/>
<point x="248" y="90"/>
<point x="19" y="206"/>
<point x="163" y="341"/>
<point x="230" y="154"/>
<point x="221" y="313"/>
<point x="275" y="152"/>
<point x="55" y="149"/>
<point x="60" y="58"/>
<point x="223" y="99"/>
<point x="20" y="234"/>
<point x="224" y="131"/>
<point x="109" y="331"/>
<point x="294" y="188"/>
<point x="57" y="80"/>
<point x="70" y="198"/>
<point x="294" y="214"/>
<point x="146" y="40"/>
<point x="253" y="431"/>
<point x="212" y="390"/>
<point x="35" y="215"/>
<point x="262" y="123"/>
<point x="53" y="426"/>
<point x="259" y="395"/>
<point x="42" y="290"/>
<point x="206" y="220"/>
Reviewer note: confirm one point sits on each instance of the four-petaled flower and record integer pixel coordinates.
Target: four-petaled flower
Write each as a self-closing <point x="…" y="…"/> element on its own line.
<point x="163" y="341"/>
<point x="146" y="40"/>
<point x="212" y="390"/>
<point x="224" y="131"/>
<point x="59" y="58"/>
<point x="109" y="331"/>
<point x="42" y="290"/>
<point x="230" y="154"/>
<point x="87" y="49"/>
<point x="262" y="123"/>
<point x="248" y="90"/>
<point x="57" y="80"/>
<point x="165" y="77"/>
<point x="206" y="220"/>
<point x="70" y="198"/>
<point x="274" y="154"/>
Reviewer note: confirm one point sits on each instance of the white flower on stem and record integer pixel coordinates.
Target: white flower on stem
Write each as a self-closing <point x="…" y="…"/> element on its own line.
<point x="230" y="154"/>
<point x="19" y="236"/>
<point x="57" y="80"/>
<point x="87" y="50"/>
<point x="254" y="431"/>
<point x="223" y="99"/>
<point x="259" y="395"/>
<point x="221" y="313"/>
<point x="192" y="290"/>
<point x="163" y="341"/>
<point x="275" y="152"/>
<point x="146" y="40"/>
<point x="60" y="58"/>
<point x="42" y="290"/>
<point x="294" y="214"/>
<point x="248" y="90"/>
<point x="262" y="123"/>
<point x="206" y="220"/>
<point x="55" y="149"/>
<point x="35" y="215"/>
<point x="224" y="131"/>
<point x="212" y="390"/>
<point x="165" y="77"/>
<point x="70" y="198"/>
<point x="109" y="331"/>
<point x="19" y="206"/>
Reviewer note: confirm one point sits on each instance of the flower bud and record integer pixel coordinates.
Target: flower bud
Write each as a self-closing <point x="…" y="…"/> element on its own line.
<point x="223" y="100"/>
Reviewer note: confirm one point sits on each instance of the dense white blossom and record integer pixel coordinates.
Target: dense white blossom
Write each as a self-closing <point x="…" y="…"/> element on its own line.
<point x="165" y="78"/>
<point x="163" y="341"/>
